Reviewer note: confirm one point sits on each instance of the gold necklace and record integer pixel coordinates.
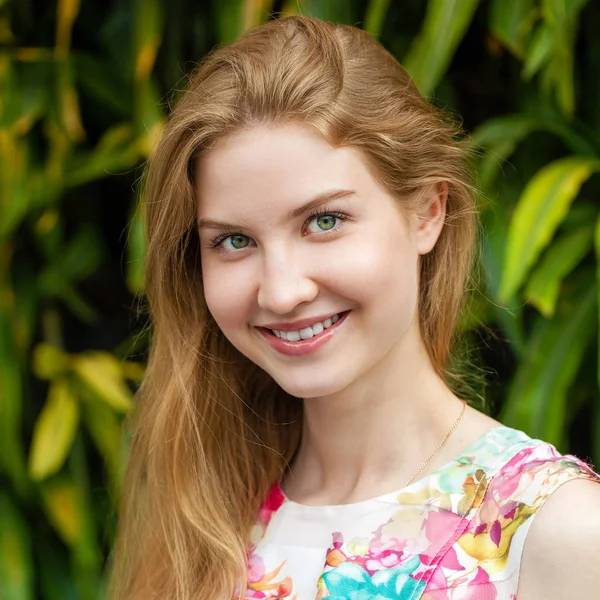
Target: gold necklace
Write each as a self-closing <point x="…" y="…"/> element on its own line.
<point x="444" y="439"/>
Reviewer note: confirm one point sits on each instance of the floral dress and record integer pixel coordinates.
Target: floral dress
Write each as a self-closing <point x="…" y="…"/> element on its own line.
<point x="456" y="534"/>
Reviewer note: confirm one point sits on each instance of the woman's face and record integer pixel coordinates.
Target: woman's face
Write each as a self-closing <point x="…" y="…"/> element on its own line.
<point x="308" y="266"/>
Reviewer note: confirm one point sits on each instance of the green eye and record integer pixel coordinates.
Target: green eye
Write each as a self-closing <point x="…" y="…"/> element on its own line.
<point x="326" y="222"/>
<point x="239" y="241"/>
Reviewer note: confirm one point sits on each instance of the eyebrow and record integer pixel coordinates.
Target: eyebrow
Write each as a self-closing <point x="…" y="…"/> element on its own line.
<point x="319" y="199"/>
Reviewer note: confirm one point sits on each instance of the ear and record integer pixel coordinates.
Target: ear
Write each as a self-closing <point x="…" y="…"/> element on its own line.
<point x="431" y="220"/>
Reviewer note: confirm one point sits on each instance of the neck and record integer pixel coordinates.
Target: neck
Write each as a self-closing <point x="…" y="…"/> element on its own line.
<point x="371" y="437"/>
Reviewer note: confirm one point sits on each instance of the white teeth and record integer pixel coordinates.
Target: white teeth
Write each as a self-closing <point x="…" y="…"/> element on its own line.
<point x="307" y="332"/>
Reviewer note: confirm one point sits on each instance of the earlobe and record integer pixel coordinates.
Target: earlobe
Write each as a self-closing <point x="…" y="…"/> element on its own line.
<point x="431" y="221"/>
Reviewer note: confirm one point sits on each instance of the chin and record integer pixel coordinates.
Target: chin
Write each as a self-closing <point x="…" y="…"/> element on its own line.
<point x="303" y="389"/>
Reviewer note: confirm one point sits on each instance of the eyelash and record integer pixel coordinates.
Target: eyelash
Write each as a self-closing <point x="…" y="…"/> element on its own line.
<point x="215" y="243"/>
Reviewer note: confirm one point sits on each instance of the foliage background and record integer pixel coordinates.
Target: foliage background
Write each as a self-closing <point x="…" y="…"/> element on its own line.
<point x="84" y="86"/>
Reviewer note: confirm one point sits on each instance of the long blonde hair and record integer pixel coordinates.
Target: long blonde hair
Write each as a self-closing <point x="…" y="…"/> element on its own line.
<point x="212" y="431"/>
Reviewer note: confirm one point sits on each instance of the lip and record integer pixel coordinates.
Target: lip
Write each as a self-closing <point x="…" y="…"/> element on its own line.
<point x="297" y="325"/>
<point x="303" y="347"/>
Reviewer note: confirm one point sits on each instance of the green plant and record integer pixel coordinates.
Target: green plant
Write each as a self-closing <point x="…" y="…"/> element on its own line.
<point x="83" y="92"/>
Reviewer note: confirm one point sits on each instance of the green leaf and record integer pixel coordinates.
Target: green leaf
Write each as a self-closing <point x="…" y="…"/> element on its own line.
<point x="49" y="362"/>
<point x="511" y="21"/>
<point x="542" y="206"/>
<point x="149" y="22"/>
<point x="446" y="22"/>
<point x="66" y="506"/>
<point x="539" y="51"/>
<point x="561" y="258"/>
<point x="537" y="398"/>
<point x="83" y="254"/>
<point x="375" y="16"/>
<point x="54" y="573"/>
<point x="103" y="375"/>
<point x="597" y="244"/>
<point x="107" y="434"/>
<point x="12" y="455"/>
<point x="500" y="136"/>
<point x="118" y="150"/>
<point x="16" y="561"/>
<point x="54" y="431"/>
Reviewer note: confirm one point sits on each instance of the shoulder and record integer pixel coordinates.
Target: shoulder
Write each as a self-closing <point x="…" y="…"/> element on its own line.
<point x="561" y="555"/>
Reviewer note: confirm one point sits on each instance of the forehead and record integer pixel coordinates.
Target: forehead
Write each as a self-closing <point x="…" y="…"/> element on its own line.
<point x="275" y="166"/>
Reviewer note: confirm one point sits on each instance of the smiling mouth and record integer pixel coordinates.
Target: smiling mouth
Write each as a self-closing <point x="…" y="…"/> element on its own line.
<point x="310" y="332"/>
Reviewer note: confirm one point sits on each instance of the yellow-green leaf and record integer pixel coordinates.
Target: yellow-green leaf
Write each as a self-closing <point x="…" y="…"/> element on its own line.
<point x="16" y="561"/>
<point x="65" y="505"/>
<point x="54" y="431"/>
<point x="102" y="373"/>
<point x="597" y="243"/>
<point x="541" y="208"/>
<point x="511" y="21"/>
<point x="446" y="22"/>
<point x="561" y="258"/>
<point x="375" y="16"/>
<point x="49" y="362"/>
<point x="149" y="24"/>
<point x="537" y="400"/>
<point x="67" y="11"/>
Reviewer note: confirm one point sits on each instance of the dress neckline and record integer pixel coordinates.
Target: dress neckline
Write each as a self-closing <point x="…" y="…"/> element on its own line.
<point x="392" y="495"/>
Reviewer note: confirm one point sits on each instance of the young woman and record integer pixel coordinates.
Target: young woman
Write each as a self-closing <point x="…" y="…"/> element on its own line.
<point x="311" y="231"/>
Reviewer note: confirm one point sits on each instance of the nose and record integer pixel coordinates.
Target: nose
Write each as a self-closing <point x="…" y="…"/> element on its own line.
<point x="284" y="284"/>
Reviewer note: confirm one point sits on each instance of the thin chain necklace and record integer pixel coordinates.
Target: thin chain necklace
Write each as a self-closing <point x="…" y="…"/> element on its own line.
<point x="444" y="440"/>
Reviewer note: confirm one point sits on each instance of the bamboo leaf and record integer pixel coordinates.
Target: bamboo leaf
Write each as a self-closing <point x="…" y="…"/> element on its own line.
<point x="54" y="574"/>
<point x="542" y="206"/>
<point x="446" y="22"/>
<point x="539" y="51"/>
<point x="67" y="11"/>
<point x="597" y="244"/>
<point x="117" y="150"/>
<point x="106" y="432"/>
<point x="561" y="258"/>
<point x="16" y="561"/>
<point x="511" y="21"/>
<point x="49" y="362"/>
<point x="54" y="431"/>
<point x="375" y="17"/>
<point x="149" y="25"/>
<point x="69" y="514"/>
<point x="12" y="455"/>
<point x="103" y="375"/>
<point x="537" y="399"/>
<point x="83" y="255"/>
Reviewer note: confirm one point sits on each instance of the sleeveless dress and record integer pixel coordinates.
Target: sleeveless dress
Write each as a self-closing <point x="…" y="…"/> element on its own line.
<point x="456" y="534"/>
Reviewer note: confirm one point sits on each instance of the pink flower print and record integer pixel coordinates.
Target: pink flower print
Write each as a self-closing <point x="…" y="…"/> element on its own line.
<point x="496" y="533"/>
<point x="385" y="559"/>
<point x="272" y="504"/>
<point x="261" y="585"/>
<point x="256" y="568"/>
<point x="441" y="524"/>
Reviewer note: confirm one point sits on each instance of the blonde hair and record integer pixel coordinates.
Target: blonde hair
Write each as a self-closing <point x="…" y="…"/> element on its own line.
<point x="213" y="432"/>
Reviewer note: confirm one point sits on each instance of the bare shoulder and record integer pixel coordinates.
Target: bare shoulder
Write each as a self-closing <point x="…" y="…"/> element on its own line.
<point x="561" y="556"/>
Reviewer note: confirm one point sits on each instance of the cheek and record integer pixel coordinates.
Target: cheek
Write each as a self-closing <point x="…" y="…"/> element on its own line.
<point x="386" y="270"/>
<point x="226" y="294"/>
